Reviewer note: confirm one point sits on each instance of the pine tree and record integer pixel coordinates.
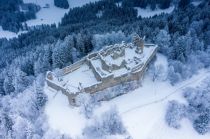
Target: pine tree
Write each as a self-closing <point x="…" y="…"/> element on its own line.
<point x="163" y="39"/>
<point x="183" y="3"/>
<point x="41" y="98"/>
<point x="8" y="85"/>
<point x="62" y="54"/>
<point x="61" y="3"/>
<point x="201" y="124"/>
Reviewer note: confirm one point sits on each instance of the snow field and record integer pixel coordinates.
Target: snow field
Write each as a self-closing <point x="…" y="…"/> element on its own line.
<point x="48" y="16"/>
<point x="141" y="110"/>
<point x="52" y="14"/>
<point x="8" y="34"/>
<point x="62" y="117"/>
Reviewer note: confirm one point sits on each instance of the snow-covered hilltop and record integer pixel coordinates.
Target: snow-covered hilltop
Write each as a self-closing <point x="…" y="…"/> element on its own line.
<point x="120" y="92"/>
<point x="142" y="110"/>
<point x="111" y="66"/>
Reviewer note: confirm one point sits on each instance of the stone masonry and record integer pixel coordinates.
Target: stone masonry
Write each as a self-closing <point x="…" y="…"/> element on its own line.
<point x="106" y="68"/>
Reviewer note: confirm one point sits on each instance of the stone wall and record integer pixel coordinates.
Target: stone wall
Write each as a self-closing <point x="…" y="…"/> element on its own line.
<point x="71" y="96"/>
<point x="104" y="82"/>
<point x="116" y="67"/>
<point x="111" y="81"/>
<point x="111" y="67"/>
<point x="118" y="53"/>
<point x="117" y="90"/>
<point x="96" y="74"/>
<point x="73" y="67"/>
<point x="104" y="65"/>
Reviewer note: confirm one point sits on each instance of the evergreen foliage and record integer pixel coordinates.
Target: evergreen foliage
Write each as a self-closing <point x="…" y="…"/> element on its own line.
<point x="197" y="110"/>
<point x="162" y="4"/>
<point x="61" y="3"/>
<point x="185" y="41"/>
<point x="11" y="17"/>
<point x="108" y="124"/>
<point x="183" y="3"/>
<point x="174" y="114"/>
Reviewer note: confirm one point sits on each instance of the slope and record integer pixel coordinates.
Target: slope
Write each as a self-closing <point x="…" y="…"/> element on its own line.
<point x="52" y="14"/>
<point x="142" y="110"/>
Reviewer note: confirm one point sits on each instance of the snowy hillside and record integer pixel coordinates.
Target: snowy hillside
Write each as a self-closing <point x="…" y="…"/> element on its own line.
<point x="196" y="3"/>
<point x="9" y="34"/>
<point x="52" y="14"/>
<point x="169" y="98"/>
<point x="49" y="15"/>
<point x="141" y="110"/>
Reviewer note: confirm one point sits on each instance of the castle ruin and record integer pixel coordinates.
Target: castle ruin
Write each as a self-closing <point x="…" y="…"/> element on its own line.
<point x="113" y="65"/>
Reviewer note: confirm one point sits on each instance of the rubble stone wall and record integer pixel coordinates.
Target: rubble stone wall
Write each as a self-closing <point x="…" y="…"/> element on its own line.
<point x="73" y="67"/>
<point x="96" y="74"/>
<point x="71" y="96"/>
<point x="104" y="82"/>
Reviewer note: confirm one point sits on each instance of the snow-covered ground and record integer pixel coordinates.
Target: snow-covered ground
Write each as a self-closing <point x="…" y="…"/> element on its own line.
<point x="49" y="15"/>
<point x="52" y="14"/>
<point x="142" y="110"/>
<point x="149" y="13"/>
<point x="196" y="3"/>
<point x="9" y="34"/>
<point x="62" y="117"/>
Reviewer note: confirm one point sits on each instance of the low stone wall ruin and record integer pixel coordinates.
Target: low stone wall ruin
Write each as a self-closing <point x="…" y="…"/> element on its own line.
<point x="73" y="67"/>
<point x="104" y="82"/>
<point x="71" y="96"/>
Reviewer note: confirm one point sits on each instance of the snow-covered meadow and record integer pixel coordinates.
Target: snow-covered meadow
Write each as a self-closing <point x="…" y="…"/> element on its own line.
<point x="142" y="110"/>
<point x="53" y="14"/>
<point x="9" y="34"/>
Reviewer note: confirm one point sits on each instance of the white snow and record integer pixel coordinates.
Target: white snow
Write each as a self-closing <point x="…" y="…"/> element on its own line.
<point x="49" y="15"/>
<point x="119" y="4"/>
<point x="61" y="116"/>
<point x="144" y="115"/>
<point x="142" y="110"/>
<point x="98" y="65"/>
<point x="144" y="13"/>
<point x="8" y="34"/>
<point x="196" y="3"/>
<point x="52" y="14"/>
<point x="120" y="72"/>
<point x="83" y="75"/>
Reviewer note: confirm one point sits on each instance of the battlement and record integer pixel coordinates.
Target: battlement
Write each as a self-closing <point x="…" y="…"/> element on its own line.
<point x="106" y="68"/>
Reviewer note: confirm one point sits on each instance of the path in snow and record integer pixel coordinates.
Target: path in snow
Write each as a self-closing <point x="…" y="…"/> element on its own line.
<point x="179" y="88"/>
<point x="142" y="119"/>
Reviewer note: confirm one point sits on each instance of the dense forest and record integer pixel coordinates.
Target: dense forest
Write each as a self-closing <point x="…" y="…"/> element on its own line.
<point x="162" y="4"/>
<point x="182" y="36"/>
<point x="14" y="12"/>
<point x="61" y="3"/>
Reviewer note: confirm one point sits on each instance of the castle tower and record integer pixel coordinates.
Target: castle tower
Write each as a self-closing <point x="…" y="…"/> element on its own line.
<point x="139" y="43"/>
